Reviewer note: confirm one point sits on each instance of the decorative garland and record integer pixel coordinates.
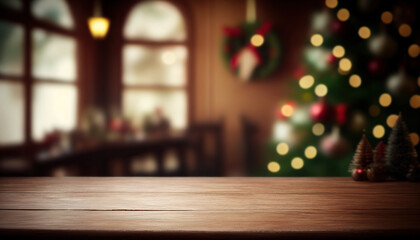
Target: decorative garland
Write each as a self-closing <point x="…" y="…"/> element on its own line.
<point x="245" y="59"/>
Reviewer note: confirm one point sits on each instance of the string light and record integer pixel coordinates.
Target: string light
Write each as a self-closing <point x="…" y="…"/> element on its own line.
<point x="282" y="148"/>
<point x="310" y="152"/>
<point x="306" y="81"/>
<point x="287" y="110"/>
<point x="404" y="30"/>
<point x="257" y="40"/>
<point x="321" y="90"/>
<point x="364" y="32"/>
<point x="378" y="131"/>
<point x="343" y="14"/>
<point x="414" y="137"/>
<point x="415" y="101"/>
<point x="386" y="17"/>
<point x="338" y="51"/>
<point x="374" y="110"/>
<point x="391" y="120"/>
<point x="385" y="100"/>
<point x="414" y="50"/>
<point x="297" y="163"/>
<point x="344" y="64"/>
<point x="273" y="167"/>
<point x="317" y="40"/>
<point x="331" y="3"/>
<point x="318" y="129"/>
<point x="355" y="81"/>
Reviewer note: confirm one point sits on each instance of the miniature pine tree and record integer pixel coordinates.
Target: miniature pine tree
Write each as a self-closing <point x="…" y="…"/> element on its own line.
<point x="400" y="152"/>
<point x="361" y="160"/>
<point x="377" y="170"/>
<point x="414" y="170"/>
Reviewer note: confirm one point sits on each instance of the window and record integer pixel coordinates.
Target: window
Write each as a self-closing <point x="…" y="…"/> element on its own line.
<point x="155" y="57"/>
<point x="37" y="95"/>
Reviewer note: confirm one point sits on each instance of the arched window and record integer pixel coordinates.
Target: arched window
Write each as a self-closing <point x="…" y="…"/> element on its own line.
<point x="154" y="57"/>
<point x="38" y="72"/>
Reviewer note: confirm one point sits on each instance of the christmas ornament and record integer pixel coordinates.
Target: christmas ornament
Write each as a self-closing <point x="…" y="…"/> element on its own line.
<point x="318" y="57"/>
<point x="400" y="151"/>
<point x="320" y="111"/>
<point x="361" y="160"/>
<point x="341" y="113"/>
<point x="383" y="45"/>
<point x="334" y="145"/>
<point x="377" y="170"/>
<point x="401" y="83"/>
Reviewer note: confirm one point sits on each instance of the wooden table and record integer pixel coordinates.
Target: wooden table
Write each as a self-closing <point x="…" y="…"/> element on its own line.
<point x="208" y="208"/>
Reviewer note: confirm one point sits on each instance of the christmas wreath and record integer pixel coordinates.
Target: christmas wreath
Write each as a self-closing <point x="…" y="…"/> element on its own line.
<point x="251" y="50"/>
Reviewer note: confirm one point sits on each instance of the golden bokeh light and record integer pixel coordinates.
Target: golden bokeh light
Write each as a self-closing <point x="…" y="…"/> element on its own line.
<point x="282" y="148"/>
<point x="310" y="152"/>
<point x="374" y="110"/>
<point x="344" y="64"/>
<point x="414" y="50"/>
<point x="386" y="17"/>
<point x="385" y="100"/>
<point x="257" y="40"/>
<point x="404" y="30"/>
<point x="364" y="32"/>
<point x="414" y="137"/>
<point x="343" y="14"/>
<point x="306" y="81"/>
<point x="355" y="81"/>
<point x="297" y="163"/>
<point x="318" y="129"/>
<point x="273" y="167"/>
<point x="391" y="120"/>
<point x="317" y="40"/>
<point x="331" y="3"/>
<point x="338" y="51"/>
<point x="287" y="110"/>
<point x="321" y="90"/>
<point x="415" y="101"/>
<point x="378" y="131"/>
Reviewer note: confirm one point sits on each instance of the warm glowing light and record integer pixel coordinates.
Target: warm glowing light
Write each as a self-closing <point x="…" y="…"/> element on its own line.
<point x="378" y="131"/>
<point x="297" y="163"/>
<point x="318" y="129"/>
<point x="414" y="50"/>
<point x="404" y="30"/>
<point x="359" y="170"/>
<point x="415" y="101"/>
<point x="282" y="148"/>
<point x="374" y="110"/>
<point x="344" y="64"/>
<point x="98" y="26"/>
<point x="385" y="100"/>
<point x="355" y="81"/>
<point x="273" y="167"/>
<point x="310" y="152"/>
<point x="343" y="14"/>
<point x="257" y="40"/>
<point x="317" y="40"/>
<point x="391" y="120"/>
<point x="287" y="110"/>
<point x="414" y="137"/>
<point x="168" y="58"/>
<point x="338" y="51"/>
<point x="364" y="32"/>
<point x="321" y="90"/>
<point x="386" y="17"/>
<point x="331" y="3"/>
<point x="306" y="81"/>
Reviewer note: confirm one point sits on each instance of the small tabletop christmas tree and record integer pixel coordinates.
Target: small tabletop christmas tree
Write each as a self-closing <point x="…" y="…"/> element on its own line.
<point x="377" y="170"/>
<point x="414" y="171"/>
<point x="400" y="153"/>
<point x="361" y="160"/>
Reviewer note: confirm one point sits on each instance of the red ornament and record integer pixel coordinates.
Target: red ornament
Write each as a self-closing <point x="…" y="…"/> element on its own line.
<point x="359" y="171"/>
<point x="320" y="111"/>
<point x="341" y="113"/>
<point x="332" y="59"/>
<point x="373" y="66"/>
<point x="334" y="145"/>
<point x="299" y="72"/>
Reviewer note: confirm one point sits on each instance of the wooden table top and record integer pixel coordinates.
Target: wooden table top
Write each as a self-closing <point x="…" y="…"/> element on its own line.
<point x="208" y="207"/>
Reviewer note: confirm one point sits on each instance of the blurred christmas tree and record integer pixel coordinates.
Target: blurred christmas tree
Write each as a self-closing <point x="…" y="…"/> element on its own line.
<point x="361" y="69"/>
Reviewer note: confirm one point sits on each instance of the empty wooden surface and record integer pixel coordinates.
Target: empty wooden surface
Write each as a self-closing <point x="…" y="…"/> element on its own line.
<point x="208" y="207"/>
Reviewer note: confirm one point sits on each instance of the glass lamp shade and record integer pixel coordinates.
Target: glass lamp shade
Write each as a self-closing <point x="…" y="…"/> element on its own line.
<point x="98" y="26"/>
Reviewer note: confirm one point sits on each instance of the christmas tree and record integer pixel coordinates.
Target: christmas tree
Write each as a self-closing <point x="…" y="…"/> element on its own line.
<point x="377" y="170"/>
<point x="361" y="160"/>
<point x="360" y="69"/>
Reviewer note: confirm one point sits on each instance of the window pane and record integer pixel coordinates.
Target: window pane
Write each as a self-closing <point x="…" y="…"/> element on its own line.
<point x="54" y="108"/>
<point x="155" y="20"/>
<point x="137" y="104"/>
<point x="154" y="66"/>
<point x="54" y="56"/>
<point x="11" y="113"/>
<point x="11" y="48"/>
<point x="53" y="11"/>
<point x="14" y="4"/>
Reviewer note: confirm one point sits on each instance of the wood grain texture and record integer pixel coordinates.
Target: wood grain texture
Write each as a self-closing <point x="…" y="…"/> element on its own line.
<point x="208" y="207"/>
